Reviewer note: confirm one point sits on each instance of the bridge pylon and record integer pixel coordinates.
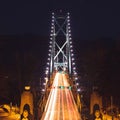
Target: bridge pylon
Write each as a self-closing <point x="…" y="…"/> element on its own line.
<point x="60" y="53"/>
<point x="60" y="43"/>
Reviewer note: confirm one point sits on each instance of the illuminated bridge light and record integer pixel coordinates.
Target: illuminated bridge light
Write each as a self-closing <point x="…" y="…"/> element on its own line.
<point x="68" y="20"/>
<point x="72" y="54"/>
<point x="76" y="78"/>
<point x="48" y="63"/>
<point x="52" y="27"/>
<point x="77" y="84"/>
<point x="73" y="59"/>
<point x="78" y="90"/>
<point x="49" y="50"/>
<point x="69" y="27"/>
<point x="46" y="72"/>
<point x="43" y="90"/>
<point x="47" y="68"/>
<point x="50" y="42"/>
<point x="50" y="46"/>
<point x="68" y="17"/>
<point x="44" y="83"/>
<point x="52" y="20"/>
<point x="51" y="31"/>
<point x="74" y="68"/>
<point x="73" y="63"/>
<point x="75" y="73"/>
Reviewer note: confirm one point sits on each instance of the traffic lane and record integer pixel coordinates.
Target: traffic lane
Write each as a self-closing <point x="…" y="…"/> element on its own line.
<point x="61" y="103"/>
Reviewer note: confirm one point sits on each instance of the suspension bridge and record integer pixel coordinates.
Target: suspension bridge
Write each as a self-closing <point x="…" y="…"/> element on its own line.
<point x="61" y="98"/>
<point x="60" y="95"/>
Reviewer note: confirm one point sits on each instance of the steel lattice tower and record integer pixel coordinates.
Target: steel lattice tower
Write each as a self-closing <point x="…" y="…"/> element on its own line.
<point x="60" y="53"/>
<point x="60" y="43"/>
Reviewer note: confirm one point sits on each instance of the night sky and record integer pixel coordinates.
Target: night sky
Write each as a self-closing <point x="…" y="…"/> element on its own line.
<point x="95" y="25"/>
<point x="89" y="18"/>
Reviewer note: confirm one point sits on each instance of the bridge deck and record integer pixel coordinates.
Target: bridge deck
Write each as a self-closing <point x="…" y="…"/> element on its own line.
<point x="60" y="104"/>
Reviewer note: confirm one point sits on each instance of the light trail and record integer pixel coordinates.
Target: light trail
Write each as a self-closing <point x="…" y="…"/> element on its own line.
<point x="58" y="106"/>
<point x="51" y="102"/>
<point x="61" y="104"/>
<point x="62" y="108"/>
<point x="67" y="99"/>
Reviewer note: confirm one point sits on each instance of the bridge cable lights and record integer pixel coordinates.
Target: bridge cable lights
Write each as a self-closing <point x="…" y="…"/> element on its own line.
<point x="50" y="46"/>
<point x="61" y="26"/>
<point x="72" y="55"/>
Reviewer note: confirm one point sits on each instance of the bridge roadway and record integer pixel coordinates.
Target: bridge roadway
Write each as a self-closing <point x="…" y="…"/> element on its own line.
<point x="60" y="104"/>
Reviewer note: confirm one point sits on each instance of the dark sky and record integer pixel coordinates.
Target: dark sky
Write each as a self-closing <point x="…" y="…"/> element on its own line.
<point x="89" y="18"/>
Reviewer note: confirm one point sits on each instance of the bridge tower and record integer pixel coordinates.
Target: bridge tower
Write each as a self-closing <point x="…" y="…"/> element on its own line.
<point x="60" y="51"/>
